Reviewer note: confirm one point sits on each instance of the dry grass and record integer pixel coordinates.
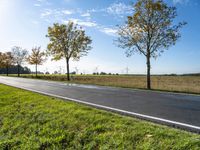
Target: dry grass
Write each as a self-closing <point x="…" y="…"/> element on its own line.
<point x="189" y="84"/>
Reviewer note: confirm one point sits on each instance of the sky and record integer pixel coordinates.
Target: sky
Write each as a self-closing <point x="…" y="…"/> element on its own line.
<point x="24" y="23"/>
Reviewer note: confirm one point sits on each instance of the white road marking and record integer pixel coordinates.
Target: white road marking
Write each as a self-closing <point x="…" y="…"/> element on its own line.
<point x="166" y="121"/>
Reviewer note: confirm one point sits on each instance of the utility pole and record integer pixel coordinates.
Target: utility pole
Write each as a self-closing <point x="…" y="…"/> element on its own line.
<point x="127" y="70"/>
<point x="96" y="69"/>
<point x="76" y="68"/>
<point x="60" y="70"/>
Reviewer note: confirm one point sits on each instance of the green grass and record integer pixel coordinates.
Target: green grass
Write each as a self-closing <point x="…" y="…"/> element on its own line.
<point x="33" y="121"/>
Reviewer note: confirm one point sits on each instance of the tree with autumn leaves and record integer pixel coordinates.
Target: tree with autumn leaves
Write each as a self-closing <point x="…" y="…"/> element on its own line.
<point x="37" y="57"/>
<point x="149" y="31"/>
<point x="68" y="41"/>
<point x="6" y="61"/>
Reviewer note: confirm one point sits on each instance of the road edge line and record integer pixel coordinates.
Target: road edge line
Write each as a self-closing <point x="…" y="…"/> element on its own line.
<point x="167" y="122"/>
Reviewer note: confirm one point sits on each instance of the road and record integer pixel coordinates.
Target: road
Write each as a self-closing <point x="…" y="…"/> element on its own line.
<point x="178" y="110"/>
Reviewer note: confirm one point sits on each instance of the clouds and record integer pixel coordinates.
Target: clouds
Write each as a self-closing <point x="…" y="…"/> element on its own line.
<point x="87" y="14"/>
<point x="109" y="31"/>
<point x="180" y="1"/>
<point x="34" y="22"/>
<point x="67" y="12"/>
<point x="81" y="22"/>
<point x="87" y="18"/>
<point x="56" y="13"/>
<point x="87" y="23"/>
<point x="46" y="13"/>
<point x="39" y="3"/>
<point x="119" y="9"/>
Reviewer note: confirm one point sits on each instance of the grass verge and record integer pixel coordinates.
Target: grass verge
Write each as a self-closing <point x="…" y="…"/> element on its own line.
<point x="33" y="121"/>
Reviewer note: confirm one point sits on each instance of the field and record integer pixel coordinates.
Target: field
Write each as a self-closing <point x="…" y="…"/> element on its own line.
<point x="33" y="121"/>
<point x="187" y="84"/>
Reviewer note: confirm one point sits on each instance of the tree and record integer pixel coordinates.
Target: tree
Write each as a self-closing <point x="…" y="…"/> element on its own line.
<point x="36" y="58"/>
<point x="68" y="41"/>
<point x="1" y="60"/>
<point x="149" y="31"/>
<point x="19" y="55"/>
<point x="6" y="60"/>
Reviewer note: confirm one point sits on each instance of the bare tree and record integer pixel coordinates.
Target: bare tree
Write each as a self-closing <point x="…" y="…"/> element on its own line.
<point x="67" y="41"/>
<point x="19" y="55"/>
<point x="149" y="31"/>
<point x="36" y="58"/>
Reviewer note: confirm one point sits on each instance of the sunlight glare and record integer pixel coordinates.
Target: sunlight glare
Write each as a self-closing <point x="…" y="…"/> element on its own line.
<point x="6" y="6"/>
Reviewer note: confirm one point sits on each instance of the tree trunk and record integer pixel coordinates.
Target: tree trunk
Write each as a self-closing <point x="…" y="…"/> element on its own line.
<point x="18" y="70"/>
<point x="148" y="73"/>
<point x="7" y="70"/>
<point x="36" y="70"/>
<point x="67" y="61"/>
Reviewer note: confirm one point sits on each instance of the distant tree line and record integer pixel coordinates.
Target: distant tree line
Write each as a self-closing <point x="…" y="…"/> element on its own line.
<point x="14" y="70"/>
<point x="104" y="73"/>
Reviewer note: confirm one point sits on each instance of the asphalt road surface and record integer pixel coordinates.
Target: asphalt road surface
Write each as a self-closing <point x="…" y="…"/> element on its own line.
<point x="178" y="110"/>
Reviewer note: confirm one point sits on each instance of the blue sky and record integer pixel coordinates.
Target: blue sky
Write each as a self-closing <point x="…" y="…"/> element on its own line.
<point x="24" y="23"/>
